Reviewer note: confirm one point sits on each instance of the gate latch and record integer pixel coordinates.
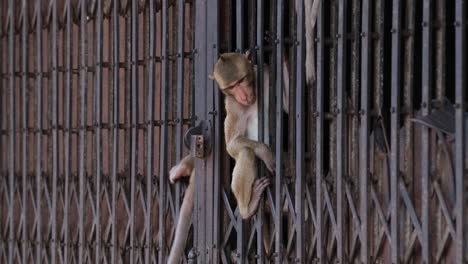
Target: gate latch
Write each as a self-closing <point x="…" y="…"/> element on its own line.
<point x="198" y="139"/>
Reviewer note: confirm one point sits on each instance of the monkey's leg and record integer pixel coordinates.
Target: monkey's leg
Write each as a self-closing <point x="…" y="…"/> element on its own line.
<point x="247" y="192"/>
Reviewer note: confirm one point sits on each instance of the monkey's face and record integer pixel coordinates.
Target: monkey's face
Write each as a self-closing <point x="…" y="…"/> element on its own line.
<point x="243" y="92"/>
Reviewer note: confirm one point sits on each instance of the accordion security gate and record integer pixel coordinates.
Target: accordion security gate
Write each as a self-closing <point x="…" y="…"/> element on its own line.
<point x="96" y="96"/>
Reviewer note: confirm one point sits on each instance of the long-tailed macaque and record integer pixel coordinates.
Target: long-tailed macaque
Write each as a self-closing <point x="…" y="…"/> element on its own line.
<point x="235" y="76"/>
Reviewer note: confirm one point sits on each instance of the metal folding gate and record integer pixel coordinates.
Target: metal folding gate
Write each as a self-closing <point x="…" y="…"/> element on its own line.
<point x="95" y="97"/>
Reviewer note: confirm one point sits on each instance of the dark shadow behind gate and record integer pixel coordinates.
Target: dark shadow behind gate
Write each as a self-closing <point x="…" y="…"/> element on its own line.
<point x="95" y="97"/>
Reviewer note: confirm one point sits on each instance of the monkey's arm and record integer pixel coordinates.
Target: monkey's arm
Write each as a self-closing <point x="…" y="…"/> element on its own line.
<point x="183" y="223"/>
<point x="184" y="168"/>
<point x="236" y="141"/>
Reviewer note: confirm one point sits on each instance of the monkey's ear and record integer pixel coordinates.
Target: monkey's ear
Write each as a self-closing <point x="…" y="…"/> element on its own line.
<point x="211" y="77"/>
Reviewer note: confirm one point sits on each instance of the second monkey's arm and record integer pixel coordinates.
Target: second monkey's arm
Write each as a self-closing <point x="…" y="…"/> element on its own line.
<point x="183" y="168"/>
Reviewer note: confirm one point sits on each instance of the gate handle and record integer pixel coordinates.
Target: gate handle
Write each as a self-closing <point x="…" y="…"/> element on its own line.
<point x="198" y="139"/>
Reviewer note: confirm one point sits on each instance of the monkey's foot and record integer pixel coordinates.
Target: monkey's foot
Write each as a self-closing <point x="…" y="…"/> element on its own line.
<point x="257" y="191"/>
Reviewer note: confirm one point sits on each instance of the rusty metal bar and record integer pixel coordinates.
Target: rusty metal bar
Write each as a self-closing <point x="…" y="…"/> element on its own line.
<point x="98" y="124"/>
<point x="300" y="135"/>
<point x="395" y="125"/>
<point x="115" y="129"/>
<point x="460" y="133"/>
<point x="340" y="127"/>
<point x="24" y="145"/>
<point x="81" y="148"/>
<point x="279" y="130"/>
<point x="364" y="127"/>
<point x="11" y="145"/>
<point x="425" y="108"/>
<point x="67" y="140"/>
<point x="150" y="130"/>
<point x="38" y="134"/>
<point x="261" y="122"/>
<point x="320" y="114"/>
<point x="134" y="82"/>
<point x="54" y="117"/>
<point x="164" y="131"/>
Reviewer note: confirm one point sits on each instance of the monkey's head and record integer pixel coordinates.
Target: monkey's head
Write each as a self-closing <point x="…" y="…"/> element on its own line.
<point x="235" y="76"/>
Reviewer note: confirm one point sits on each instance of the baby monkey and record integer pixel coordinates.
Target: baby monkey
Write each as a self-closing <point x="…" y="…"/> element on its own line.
<point x="235" y="76"/>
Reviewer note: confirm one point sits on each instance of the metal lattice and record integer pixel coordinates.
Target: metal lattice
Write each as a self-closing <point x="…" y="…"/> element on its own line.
<point x="95" y="97"/>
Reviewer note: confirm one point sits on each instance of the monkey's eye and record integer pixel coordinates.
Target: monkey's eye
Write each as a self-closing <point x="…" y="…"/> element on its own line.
<point x="231" y="87"/>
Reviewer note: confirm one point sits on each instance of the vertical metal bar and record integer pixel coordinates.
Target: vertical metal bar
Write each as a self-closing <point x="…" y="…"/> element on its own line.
<point x="352" y="167"/>
<point x="98" y="103"/>
<point x="279" y="129"/>
<point x="239" y="47"/>
<point x="319" y="113"/>
<point x="425" y="108"/>
<point x="300" y="135"/>
<point x="364" y="127"/>
<point x="213" y="168"/>
<point x="149" y="131"/>
<point x="239" y="25"/>
<point x="163" y="135"/>
<point x="24" y="89"/>
<point x="395" y="124"/>
<point x="81" y="147"/>
<point x="340" y="126"/>
<point x="115" y="123"/>
<point x="218" y="142"/>
<point x="53" y="46"/>
<point x="11" y="146"/>
<point x="39" y="131"/>
<point x="67" y="164"/>
<point x="180" y="95"/>
<point x="133" y="41"/>
<point x="261" y="121"/>
<point x="460" y="133"/>
<point x="200" y="112"/>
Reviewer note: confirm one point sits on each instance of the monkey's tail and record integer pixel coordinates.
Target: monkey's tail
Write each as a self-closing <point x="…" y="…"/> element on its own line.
<point x="183" y="225"/>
